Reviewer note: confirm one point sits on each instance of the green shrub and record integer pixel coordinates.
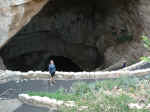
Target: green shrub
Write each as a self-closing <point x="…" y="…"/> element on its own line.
<point x="123" y="82"/>
<point x="59" y="95"/>
<point x="147" y="46"/>
<point x="93" y="95"/>
<point x="80" y="88"/>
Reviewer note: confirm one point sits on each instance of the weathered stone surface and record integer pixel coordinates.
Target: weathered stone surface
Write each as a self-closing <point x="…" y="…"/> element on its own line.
<point x="139" y="106"/>
<point x="118" y="65"/>
<point x="144" y="9"/>
<point x="84" y="33"/>
<point x="131" y="52"/>
<point x="14" y="14"/>
<point x="44" y="101"/>
<point x="7" y="3"/>
<point x="48" y="102"/>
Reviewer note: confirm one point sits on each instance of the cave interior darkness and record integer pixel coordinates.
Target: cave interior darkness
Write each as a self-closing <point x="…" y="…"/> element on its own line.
<point x="22" y="63"/>
<point x="17" y="57"/>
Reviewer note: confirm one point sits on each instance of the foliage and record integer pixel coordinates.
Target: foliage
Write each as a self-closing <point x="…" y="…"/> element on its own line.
<point x="80" y="88"/>
<point x="145" y="58"/>
<point x="103" y="96"/>
<point x="59" y="95"/>
<point x="146" y="42"/>
<point x="146" y="45"/>
<point x="123" y="82"/>
<point x="123" y="37"/>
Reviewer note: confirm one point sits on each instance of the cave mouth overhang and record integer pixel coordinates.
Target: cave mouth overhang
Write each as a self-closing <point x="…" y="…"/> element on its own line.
<point x="63" y="29"/>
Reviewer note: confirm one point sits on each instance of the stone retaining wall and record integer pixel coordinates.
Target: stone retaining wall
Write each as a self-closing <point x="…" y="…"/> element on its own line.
<point x="47" y="102"/>
<point x="16" y="75"/>
<point x="53" y="103"/>
<point x="135" y="66"/>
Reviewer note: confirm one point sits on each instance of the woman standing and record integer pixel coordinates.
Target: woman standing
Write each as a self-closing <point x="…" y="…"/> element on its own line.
<point x="52" y="70"/>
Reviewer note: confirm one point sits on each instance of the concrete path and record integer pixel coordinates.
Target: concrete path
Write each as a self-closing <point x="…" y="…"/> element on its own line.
<point x="14" y="105"/>
<point x="28" y="108"/>
<point x="9" y="105"/>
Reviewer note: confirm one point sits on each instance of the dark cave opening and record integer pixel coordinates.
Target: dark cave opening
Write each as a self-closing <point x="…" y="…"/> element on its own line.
<point x="64" y="64"/>
<point x="37" y="61"/>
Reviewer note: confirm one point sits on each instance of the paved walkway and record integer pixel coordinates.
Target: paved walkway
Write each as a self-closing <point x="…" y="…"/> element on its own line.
<point x="9" y="105"/>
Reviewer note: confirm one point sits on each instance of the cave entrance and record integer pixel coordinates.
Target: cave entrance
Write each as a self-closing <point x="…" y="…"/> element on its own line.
<point x="64" y="64"/>
<point x="39" y="61"/>
<point x="66" y="32"/>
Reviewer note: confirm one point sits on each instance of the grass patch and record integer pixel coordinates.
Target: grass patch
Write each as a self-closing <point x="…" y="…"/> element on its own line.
<point x="104" y="96"/>
<point x="59" y="95"/>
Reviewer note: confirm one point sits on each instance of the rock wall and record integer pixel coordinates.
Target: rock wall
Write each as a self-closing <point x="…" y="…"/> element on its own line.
<point x="144" y="9"/>
<point x="14" y="14"/>
<point x="89" y="33"/>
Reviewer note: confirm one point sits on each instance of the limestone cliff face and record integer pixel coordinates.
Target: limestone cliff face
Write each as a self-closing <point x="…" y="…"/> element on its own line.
<point x="144" y="9"/>
<point x="90" y="33"/>
<point x="14" y="14"/>
<point x="133" y="50"/>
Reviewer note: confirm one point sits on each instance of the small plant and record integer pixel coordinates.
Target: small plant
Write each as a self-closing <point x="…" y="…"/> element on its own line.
<point x="59" y="95"/>
<point x="80" y="88"/>
<point x="122" y="36"/>
<point x="147" y="46"/>
<point x="146" y="42"/>
<point x="102" y="96"/>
